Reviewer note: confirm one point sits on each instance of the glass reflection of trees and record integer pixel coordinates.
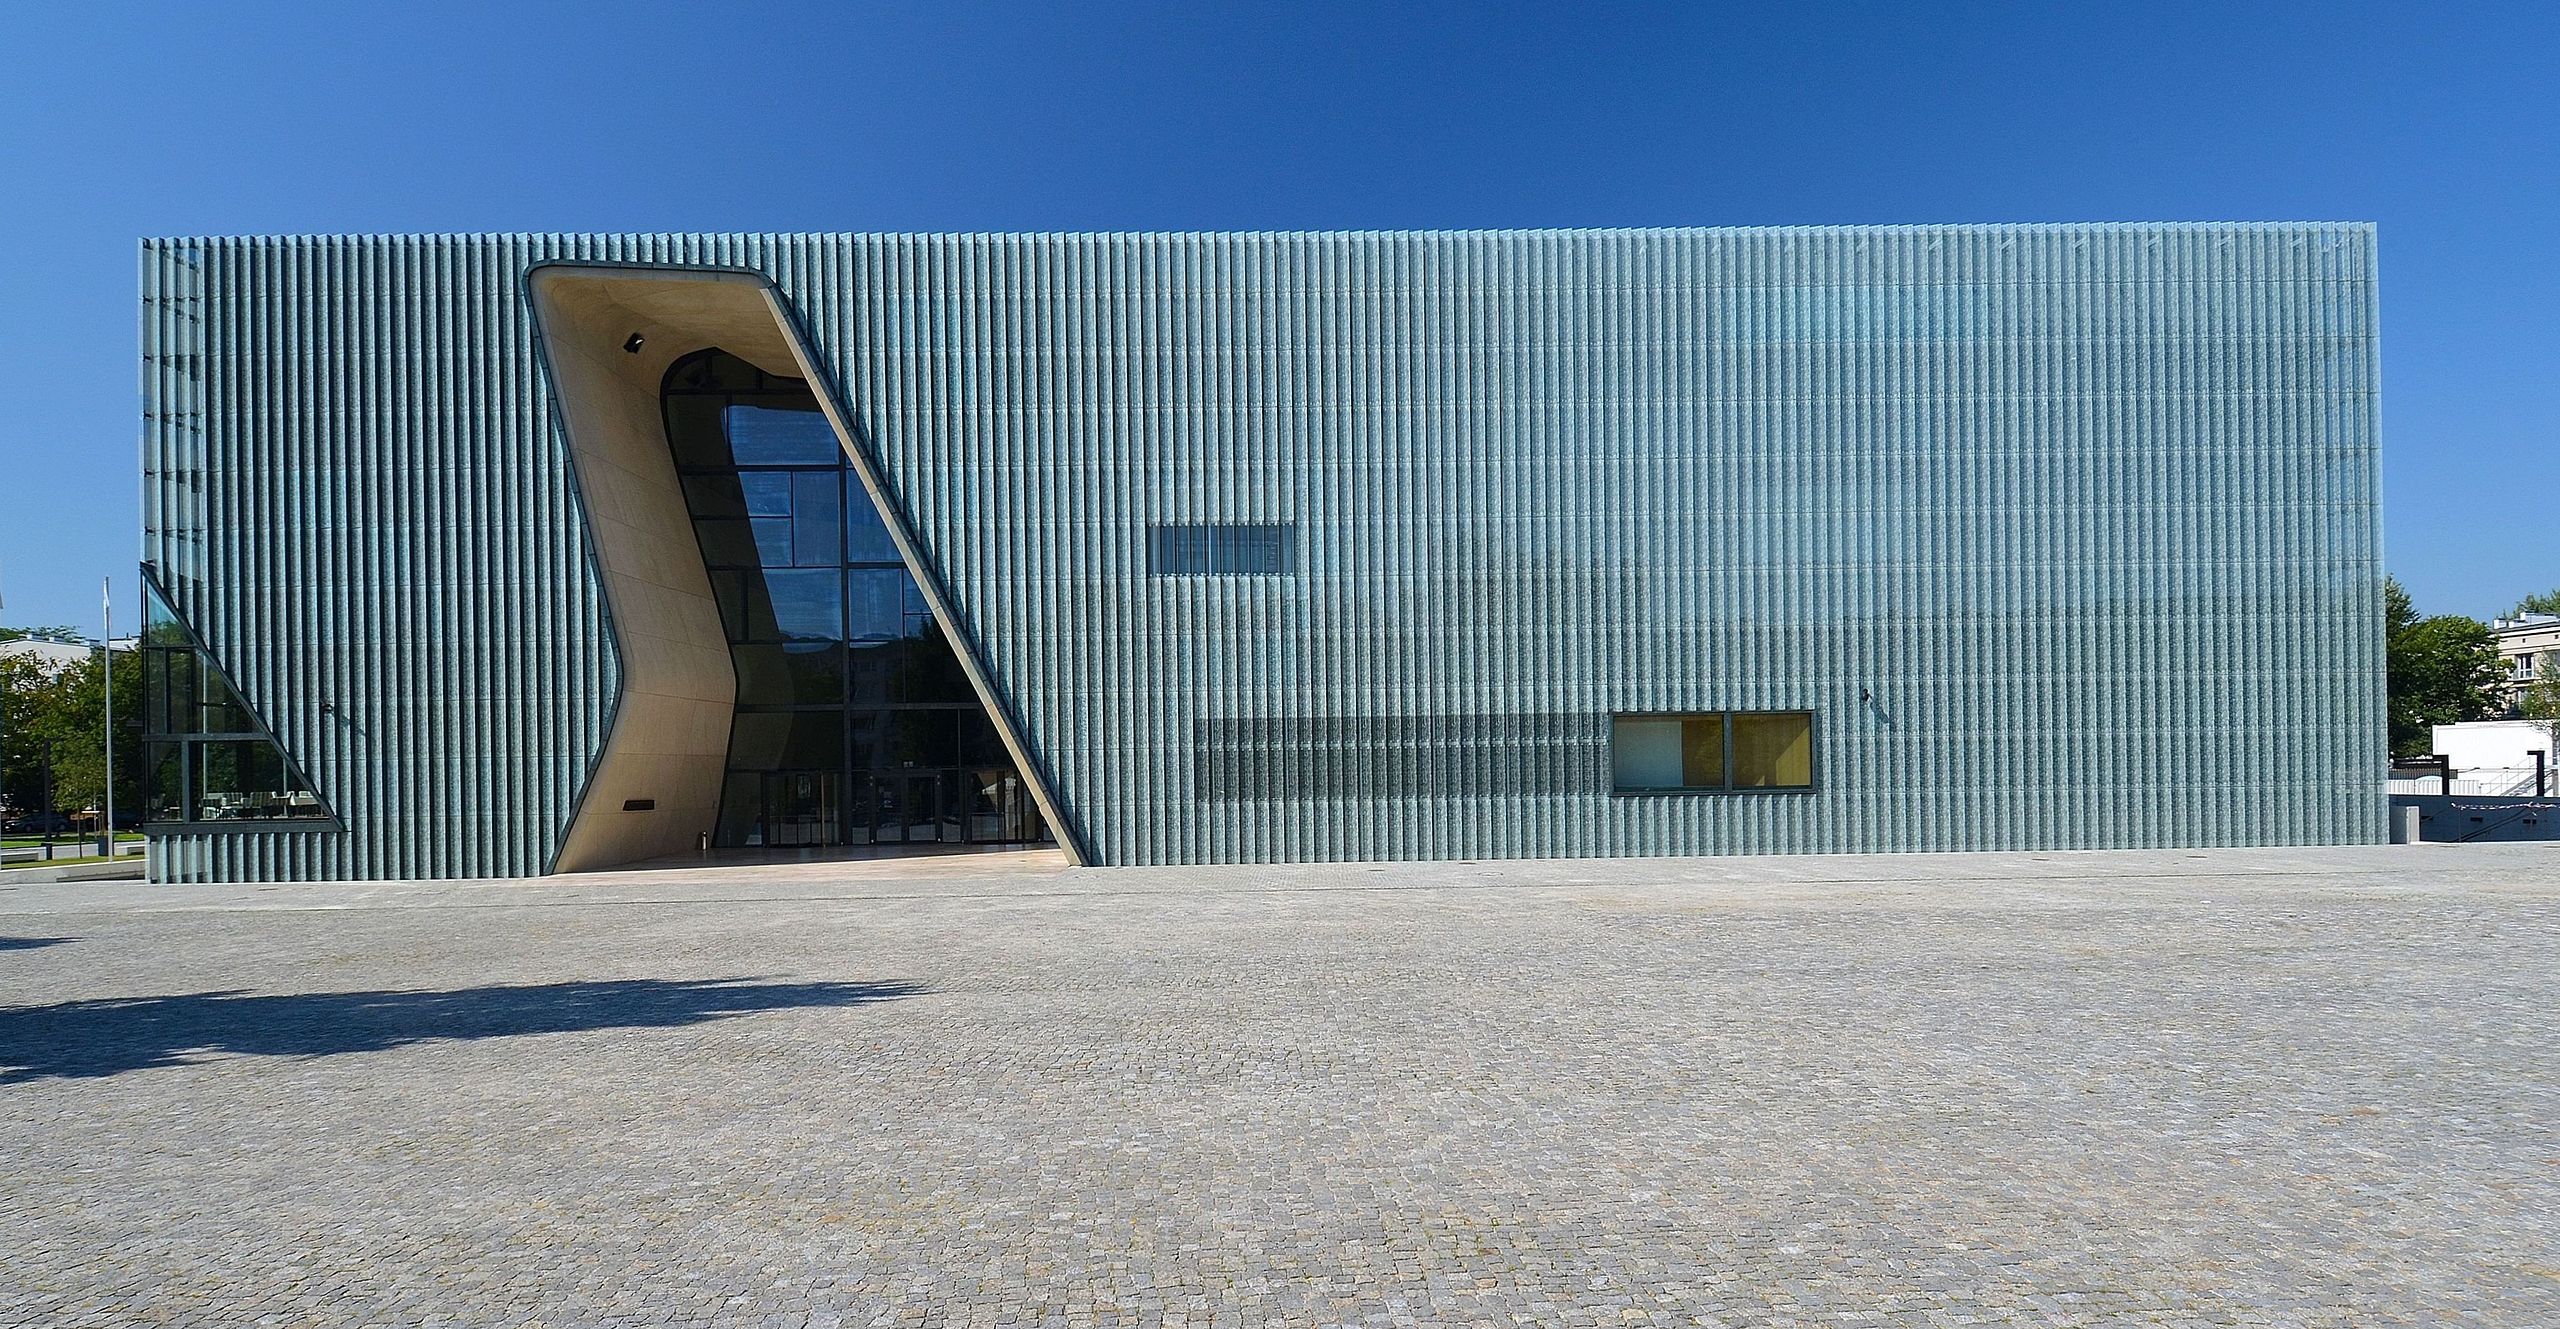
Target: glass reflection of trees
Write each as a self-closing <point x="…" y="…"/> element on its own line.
<point x="205" y="758"/>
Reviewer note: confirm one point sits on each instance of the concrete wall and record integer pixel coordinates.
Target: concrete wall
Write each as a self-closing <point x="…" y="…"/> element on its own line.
<point x="2464" y="818"/>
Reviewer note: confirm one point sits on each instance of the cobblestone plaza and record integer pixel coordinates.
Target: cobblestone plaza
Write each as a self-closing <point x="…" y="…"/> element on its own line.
<point x="2278" y="1087"/>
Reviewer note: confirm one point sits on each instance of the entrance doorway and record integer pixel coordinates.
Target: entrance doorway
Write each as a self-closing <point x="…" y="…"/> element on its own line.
<point x="803" y="808"/>
<point x="854" y="722"/>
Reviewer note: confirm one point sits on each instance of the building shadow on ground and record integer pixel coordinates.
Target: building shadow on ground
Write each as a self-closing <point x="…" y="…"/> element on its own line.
<point x="111" y="1036"/>
<point x="30" y="943"/>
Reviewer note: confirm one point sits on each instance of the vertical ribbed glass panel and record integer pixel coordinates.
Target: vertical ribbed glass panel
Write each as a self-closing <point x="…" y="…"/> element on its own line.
<point x="2067" y="535"/>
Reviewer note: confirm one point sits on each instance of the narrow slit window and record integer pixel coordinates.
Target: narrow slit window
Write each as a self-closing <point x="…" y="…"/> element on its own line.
<point x="1263" y="550"/>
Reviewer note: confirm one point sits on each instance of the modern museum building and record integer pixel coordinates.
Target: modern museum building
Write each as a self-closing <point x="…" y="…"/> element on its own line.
<point x="494" y="555"/>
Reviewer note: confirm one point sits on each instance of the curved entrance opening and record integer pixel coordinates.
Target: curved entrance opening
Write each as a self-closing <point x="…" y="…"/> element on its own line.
<point x="855" y="723"/>
<point x="794" y="680"/>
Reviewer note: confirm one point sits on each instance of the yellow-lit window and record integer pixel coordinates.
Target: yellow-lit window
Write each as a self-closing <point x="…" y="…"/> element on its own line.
<point x="1773" y="750"/>
<point x="1712" y="751"/>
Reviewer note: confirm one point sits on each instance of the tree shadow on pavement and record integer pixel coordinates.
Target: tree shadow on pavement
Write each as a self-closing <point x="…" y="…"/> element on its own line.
<point x="114" y="1035"/>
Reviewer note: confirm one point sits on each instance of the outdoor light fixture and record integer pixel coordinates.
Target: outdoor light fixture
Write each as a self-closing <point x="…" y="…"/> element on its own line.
<point x="635" y="343"/>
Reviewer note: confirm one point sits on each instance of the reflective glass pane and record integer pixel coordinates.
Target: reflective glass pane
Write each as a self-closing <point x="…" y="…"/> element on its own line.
<point x="922" y="738"/>
<point x="768" y="493"/>
<point x="1773" y="751"/>
<point x="930" y="671"/>
<point x="763" y="436"/>
<point x="871" y="670"/>
<point x="169" y="685"/>
<point x="809" y="562"/>
<point x="916" y="618"/>
<point x="163" y="793"/>
<point x="218" y="708"/>
<point x="817" y="499"/>
<point x="867" y="732"/>
<point x="786" y="740"/>
<point x="866" y="537"/>
<point x="803" y="807"/>
<point x="246" y="781"/>
<point x="746" y="610"/>
<point x="808" y="603"/>
<point x="872" y="597"/>
<point x="693" y="432"/>
<point x="741" y="813"/>
<point x="979" y="744"/>
<point x="714" y="496"/>
<point x="773" y="541"/>
<point x="1644" y="752"/>
<point x="726" y="543"/>
<point x="799" y="673"/>
<point x="238" y="775"/>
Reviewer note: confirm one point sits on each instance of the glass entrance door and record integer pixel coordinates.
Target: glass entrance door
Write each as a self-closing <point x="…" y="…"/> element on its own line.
<point x="801" y="808"/>
<point x="908" y="808"/>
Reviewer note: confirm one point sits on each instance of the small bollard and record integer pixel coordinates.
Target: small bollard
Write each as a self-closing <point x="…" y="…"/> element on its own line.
<point x="702" y="845"/>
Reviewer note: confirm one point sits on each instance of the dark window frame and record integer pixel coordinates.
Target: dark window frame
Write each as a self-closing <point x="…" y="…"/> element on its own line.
<point x="1813" y="756"/>
<point x="1222" y="549"/>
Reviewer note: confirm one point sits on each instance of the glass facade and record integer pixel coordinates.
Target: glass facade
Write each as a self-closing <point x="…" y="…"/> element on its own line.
<point x="855" y="724"/>
<point x="205" y="758"/>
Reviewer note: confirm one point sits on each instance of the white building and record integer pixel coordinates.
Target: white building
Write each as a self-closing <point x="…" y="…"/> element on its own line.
<point x="56" y="654"/>
<point x="2491" y="757"/>
<point x="2529" y="646"/>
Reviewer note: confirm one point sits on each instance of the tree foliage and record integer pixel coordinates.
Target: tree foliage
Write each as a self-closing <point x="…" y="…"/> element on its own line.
<point x="2541" y="704"/>
<point x="2541" y="602"/>
<point x="2443" y="669"/>
<point x="52" y="727"/>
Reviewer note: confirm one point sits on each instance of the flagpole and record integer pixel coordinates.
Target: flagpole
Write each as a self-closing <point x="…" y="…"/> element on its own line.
<point x="107" y="684"/>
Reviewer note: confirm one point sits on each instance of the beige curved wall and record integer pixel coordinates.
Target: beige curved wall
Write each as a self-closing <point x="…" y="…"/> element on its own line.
<point x="670" y="736"/>
<point x="670" y="733"/>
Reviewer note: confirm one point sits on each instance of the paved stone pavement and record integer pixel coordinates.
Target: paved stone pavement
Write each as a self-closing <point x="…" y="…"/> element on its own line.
<point x="2241" y="1087"/>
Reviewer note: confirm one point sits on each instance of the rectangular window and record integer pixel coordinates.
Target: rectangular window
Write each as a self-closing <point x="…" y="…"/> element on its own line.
<point x="1714" y="752"/>
<point x="1268" y="550"/>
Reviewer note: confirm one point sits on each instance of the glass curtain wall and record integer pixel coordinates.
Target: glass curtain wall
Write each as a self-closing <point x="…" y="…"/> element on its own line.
<point x="855" y="724"/>
<point x="205" y="758"/>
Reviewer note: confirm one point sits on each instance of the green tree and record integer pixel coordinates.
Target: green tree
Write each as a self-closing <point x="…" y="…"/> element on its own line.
<point x="2541" y="602"/>
<point x="25" y="701"/>
<point x="2443" y="669"/>
<point x="55" y="722"/>
<point x="2541" y="704"/>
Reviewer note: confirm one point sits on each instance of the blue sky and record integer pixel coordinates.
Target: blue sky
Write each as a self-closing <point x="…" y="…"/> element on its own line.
<point x="2441" y="122"/>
